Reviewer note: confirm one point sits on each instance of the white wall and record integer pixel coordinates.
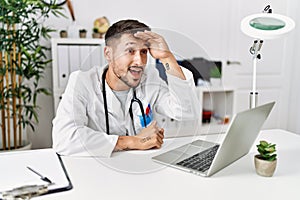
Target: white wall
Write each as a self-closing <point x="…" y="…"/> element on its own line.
<point x="190" y="20"/>
<point x="293" y="65"/>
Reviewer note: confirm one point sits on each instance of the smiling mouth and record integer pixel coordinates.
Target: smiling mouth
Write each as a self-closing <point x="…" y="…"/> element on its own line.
<point x="136" y="71"/>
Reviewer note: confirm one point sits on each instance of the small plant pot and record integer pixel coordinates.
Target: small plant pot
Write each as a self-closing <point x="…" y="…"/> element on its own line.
<point x="63" y="34"/>
<point x="96" y="35"/>
<point x="264" y="167"/>
<point x="26" y="145"/>
<point x="82" y="34"/>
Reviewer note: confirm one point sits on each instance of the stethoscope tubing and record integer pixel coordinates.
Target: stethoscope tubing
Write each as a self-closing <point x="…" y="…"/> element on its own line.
<point x="134" y="99"/>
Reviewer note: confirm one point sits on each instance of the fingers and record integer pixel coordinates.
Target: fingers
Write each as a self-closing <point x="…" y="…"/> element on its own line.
<point x="159" y="138"/>
<point x="153" y="35"/>
<point x="151" y="137"/>
<point x="158" y="48"/>
<point x="157" y="130"/>
<point x="154" y="123"/>
<point x="146" y="35"/>
<point x="154" y="127"/>
<point x="159" y="141"/>
<point x="152" y="141"/>
<point x="152" y="39"/>
<point x="161" y="133"/>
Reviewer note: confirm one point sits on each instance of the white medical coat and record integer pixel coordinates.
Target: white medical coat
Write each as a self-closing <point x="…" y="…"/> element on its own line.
<point x="79" y="126"/>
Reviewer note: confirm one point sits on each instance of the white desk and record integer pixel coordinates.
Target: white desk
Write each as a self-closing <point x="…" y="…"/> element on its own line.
<point x="145" y="179"/>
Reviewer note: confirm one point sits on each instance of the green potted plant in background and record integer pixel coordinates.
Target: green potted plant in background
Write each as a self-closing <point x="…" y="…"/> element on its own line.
<point x="215" y="76"/>
<point x="82" y="33"/>
<point x="63" y="34"/>
<point x="100" y="27"/>
<point x="22" y="63"/>
<point x="96" y="34"/>
<point x="101" y="24"/>
<point x="266" y="160"/>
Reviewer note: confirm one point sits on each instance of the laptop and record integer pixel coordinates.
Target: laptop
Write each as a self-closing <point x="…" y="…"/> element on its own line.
<point x="206" y="158"/>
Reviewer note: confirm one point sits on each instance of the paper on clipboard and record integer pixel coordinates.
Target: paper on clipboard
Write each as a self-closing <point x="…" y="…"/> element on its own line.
<point x="14" y="172"/>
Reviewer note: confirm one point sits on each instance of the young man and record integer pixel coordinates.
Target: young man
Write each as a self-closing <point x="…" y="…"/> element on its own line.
<point x="114" y="108"/>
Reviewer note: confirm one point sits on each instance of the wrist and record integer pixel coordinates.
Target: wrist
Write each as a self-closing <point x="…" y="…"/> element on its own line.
<point x="124" y="143"/>
<point x="172" y="67"/>
<point x="171" y="60"/>
<point x="128" y="142"/>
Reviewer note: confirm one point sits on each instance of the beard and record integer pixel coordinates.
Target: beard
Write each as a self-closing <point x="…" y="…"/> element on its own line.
<point x="133" y="76"/>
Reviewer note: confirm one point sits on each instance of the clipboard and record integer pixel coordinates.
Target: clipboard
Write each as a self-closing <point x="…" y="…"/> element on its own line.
<point x="15" y="174"/>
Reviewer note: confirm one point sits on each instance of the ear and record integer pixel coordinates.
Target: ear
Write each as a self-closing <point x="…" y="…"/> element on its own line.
<point x="108" y="53"/>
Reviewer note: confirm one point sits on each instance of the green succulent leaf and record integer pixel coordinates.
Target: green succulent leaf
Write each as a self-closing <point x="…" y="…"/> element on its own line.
<point x="266" y="150"/>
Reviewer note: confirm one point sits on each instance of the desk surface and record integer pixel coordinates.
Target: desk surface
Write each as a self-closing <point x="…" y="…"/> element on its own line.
<point x="133" y="175"/>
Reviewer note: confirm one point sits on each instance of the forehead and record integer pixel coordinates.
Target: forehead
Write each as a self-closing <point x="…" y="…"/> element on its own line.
<point x="128" y="40"/>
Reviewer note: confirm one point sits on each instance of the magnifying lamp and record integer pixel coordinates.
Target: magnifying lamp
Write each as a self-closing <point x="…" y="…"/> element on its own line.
<point x="263" y="26"/>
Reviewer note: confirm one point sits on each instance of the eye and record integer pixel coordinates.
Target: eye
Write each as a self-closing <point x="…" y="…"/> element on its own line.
<point x="144" y="51"/>
<point x="131" y="51"/>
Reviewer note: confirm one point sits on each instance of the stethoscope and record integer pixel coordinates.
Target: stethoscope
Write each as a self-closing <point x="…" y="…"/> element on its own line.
<point x="134" y="99"/>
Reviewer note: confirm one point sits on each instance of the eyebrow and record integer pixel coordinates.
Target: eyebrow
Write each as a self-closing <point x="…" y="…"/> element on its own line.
<point x="135" y="43"/>
<point x="130" y="43"/>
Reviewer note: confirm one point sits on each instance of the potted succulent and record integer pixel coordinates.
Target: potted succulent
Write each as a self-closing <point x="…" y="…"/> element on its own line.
<point x="22" y="63"/>
<point x="96" y="34"/>
<point x="101" y="25"/>
<point x="265" y="162"/>
<point x="215" y="76"/>
<point x="82" y="33"/>
<point x="63" y="34"/>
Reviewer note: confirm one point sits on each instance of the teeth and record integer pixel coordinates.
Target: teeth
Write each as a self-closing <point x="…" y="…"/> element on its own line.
<point x="135" y="69"/>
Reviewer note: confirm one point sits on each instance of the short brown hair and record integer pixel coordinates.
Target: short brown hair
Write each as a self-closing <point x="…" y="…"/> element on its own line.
<point x="124" y="26"/>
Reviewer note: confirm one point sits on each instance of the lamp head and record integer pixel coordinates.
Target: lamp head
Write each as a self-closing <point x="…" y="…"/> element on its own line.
<point x="266" y="25"/>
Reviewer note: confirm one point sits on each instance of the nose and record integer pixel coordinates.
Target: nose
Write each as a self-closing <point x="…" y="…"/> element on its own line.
<point x="139" y="59"/>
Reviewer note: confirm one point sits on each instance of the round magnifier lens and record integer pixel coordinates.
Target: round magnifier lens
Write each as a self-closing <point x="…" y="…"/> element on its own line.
<point x="267" y="23"/>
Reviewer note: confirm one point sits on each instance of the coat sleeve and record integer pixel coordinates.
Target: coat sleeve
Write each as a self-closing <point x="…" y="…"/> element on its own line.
<point x="178" y="99"/>
<point x="70" y="133"/>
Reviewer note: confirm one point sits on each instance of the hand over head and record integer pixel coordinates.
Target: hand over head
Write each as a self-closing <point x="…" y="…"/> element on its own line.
<point x="158" y="47"/>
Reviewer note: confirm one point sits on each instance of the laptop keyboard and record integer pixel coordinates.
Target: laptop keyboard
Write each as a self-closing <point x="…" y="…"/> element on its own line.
<point x="200" y="161"/>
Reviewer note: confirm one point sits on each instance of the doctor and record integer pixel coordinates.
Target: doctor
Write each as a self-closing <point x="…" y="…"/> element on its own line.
<point x="114" y="108"/>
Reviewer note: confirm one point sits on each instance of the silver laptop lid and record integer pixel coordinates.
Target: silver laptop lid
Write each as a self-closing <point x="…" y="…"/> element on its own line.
<point x="240" y="136"/>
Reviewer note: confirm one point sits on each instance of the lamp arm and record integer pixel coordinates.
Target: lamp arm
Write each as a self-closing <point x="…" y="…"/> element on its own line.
<point x="254" y="92"/>
<point x="256" y="47"/>
<point x="254" y="50"/>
